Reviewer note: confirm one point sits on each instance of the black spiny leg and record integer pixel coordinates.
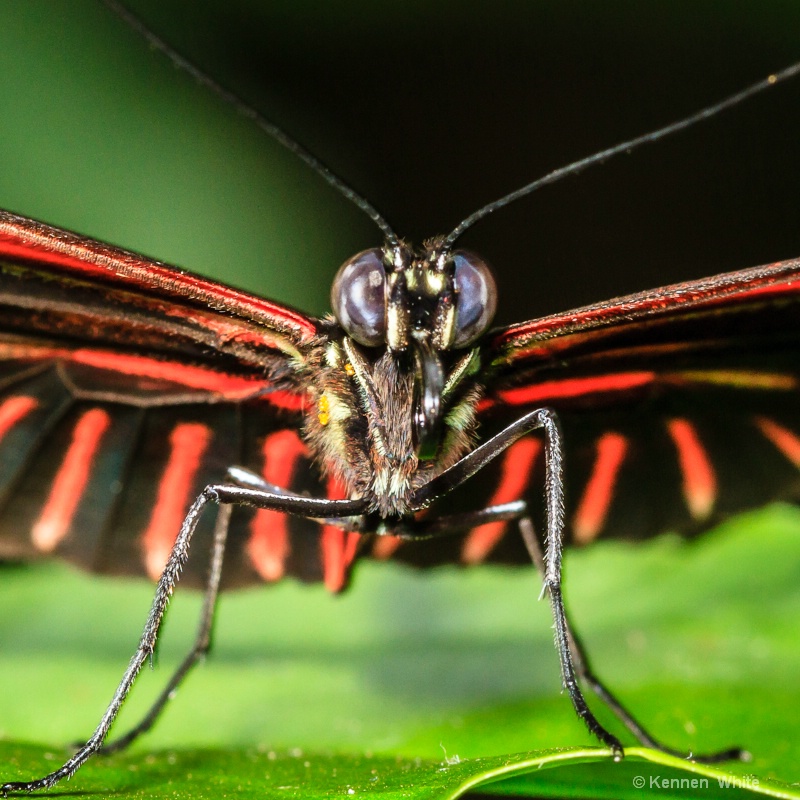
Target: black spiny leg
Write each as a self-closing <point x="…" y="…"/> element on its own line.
<point x="542" y="419"/>
<point x="202" y="642"/>
<point x="216" y="493"/>
<point x="574" y="664"/>
<point x="585" y="673"/>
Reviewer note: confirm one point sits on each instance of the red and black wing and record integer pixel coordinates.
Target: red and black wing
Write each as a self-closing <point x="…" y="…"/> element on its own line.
<point x="125" y="387"/>
<point x="679" y="406"/>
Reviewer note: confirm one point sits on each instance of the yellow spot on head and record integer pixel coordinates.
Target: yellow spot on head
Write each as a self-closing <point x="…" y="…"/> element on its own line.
<point x="323" y="410"/>
<point x="349" y="369"/>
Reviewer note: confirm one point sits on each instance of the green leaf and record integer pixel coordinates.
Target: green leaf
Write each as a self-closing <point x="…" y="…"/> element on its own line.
<point x="421" y="684"/>
<point x="255" y="773"/>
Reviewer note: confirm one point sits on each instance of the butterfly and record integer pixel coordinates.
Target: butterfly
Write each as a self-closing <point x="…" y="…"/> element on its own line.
<point x="135" y="395"/>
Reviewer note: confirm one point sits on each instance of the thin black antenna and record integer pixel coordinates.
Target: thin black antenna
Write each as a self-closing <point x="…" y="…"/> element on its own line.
<point x="631" y="144"/>
<point x="250" y="113"/>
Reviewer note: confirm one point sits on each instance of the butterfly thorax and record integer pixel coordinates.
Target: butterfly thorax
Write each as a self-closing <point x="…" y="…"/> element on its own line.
<point x="361" y="423"/>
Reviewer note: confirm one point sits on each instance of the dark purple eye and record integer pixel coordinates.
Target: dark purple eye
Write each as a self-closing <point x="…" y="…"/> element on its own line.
<point x="477" y="297"/>
<point x="358" y="297"/>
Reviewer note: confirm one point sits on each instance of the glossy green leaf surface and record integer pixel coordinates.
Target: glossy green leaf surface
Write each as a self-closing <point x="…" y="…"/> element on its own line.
<point x="421" y="683"/>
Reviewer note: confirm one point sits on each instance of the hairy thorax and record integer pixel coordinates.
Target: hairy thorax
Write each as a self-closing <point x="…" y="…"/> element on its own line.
<point x="360" y="426"/>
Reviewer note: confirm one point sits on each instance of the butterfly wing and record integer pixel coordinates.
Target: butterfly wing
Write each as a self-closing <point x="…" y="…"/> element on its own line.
<point x="126" y="386"/>
<point x="679" y="406"/>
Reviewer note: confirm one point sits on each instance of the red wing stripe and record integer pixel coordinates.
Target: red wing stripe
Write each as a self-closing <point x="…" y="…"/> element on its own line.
<point x="232" y="387"/>
<point x="699" y="480"/>
<point x="570" y="388"/>
<point x="515" y="475"/>
<point x="13" y="410"/>
<point x="576" y="387"/>
<point x="785" y="440"/>
<point x="722" y="290"/>
<point x="596" y="501"/>
<point x="192" y="377"/>
<point x="338" y="547"/>
<point x="70" y="481"/>
<point x="35" y="242"/>
<point x="268" y="546"/>
<point x="188" y="444"/>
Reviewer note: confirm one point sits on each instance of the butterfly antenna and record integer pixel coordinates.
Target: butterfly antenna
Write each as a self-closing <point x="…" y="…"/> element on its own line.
<point x="625" y="147"/>
<point x="250" y="113"/>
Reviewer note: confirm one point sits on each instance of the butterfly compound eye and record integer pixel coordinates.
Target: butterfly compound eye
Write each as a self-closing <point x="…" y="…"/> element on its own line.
<point x="358" y="298"/>
<point x="477" y="297"/>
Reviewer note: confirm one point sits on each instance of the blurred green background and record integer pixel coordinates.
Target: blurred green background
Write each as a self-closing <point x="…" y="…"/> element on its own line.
<point x="430" y="110"/>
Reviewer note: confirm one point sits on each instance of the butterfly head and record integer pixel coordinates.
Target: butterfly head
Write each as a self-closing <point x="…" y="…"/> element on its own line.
<point x="416" y="305"/>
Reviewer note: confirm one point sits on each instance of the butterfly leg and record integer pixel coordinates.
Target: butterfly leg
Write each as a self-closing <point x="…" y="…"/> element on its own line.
<point x="546" y="420"/>
<point x="574" y="663"/>
<point x="585" y="673"/>
<point x="453" y="524"/>
<point x="202" y="642"/>
<point x="216" y="493"/>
